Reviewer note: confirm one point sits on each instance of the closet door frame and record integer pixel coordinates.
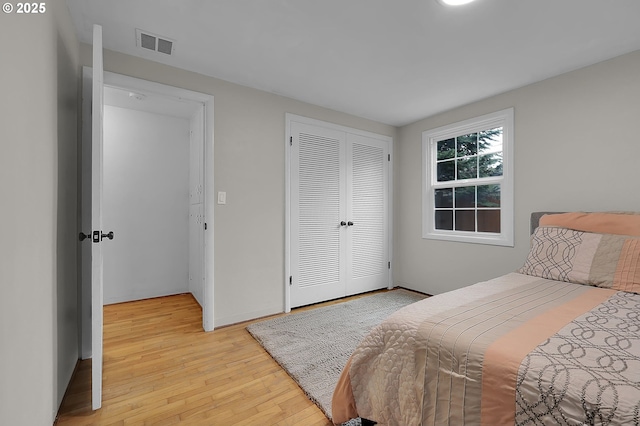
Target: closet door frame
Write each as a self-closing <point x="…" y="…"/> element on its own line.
<point x="289" y="119"/>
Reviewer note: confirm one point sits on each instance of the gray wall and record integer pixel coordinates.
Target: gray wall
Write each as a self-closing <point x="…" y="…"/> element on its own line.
<point x="249" y="164"/>
<point x="146" y="204"/>
<point x="573" y="150"/>
<point x="38" y="217"/>
<point x="576" y="148"/>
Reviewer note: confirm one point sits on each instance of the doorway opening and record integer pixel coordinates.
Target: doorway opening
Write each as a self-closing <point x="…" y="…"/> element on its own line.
<point x="152" y="198"/>
<point x="158" y="161"/>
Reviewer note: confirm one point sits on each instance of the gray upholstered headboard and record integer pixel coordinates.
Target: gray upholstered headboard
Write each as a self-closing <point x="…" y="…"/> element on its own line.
<point x="535" y="219"/>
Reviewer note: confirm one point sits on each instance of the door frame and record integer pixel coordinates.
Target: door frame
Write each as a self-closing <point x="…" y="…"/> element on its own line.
<point x="289" y="118"/>
<point x="135" y="84"/>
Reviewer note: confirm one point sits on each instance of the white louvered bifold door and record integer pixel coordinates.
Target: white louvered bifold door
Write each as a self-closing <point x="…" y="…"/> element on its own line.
<point x="368" y="215"/>
<point x="318" y="245"/>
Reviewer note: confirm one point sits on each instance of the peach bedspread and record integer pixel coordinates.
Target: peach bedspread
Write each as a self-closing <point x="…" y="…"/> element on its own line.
<point x="514" y="350"/>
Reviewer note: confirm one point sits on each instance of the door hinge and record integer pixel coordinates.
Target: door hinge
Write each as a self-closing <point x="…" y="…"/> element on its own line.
<point x="290" y="279"/>
<point x="205" y="226"/>
<point x="290" y="140"/>
<point x="389" y="157"/>
<point x="389" y="265"/>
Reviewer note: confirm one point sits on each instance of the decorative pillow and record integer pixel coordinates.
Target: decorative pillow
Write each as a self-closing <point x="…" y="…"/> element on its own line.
<point x="601" y="260"/>
<point x="620" y="223"/>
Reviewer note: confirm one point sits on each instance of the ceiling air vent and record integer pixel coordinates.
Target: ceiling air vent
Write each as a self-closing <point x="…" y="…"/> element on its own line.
<point x="154" y="42"/>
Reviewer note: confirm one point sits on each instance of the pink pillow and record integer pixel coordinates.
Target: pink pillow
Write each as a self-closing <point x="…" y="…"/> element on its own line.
<point x="601" y="223"/>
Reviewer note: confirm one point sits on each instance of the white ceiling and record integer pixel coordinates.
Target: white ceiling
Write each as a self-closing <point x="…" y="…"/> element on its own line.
<point x="393" y="61"/>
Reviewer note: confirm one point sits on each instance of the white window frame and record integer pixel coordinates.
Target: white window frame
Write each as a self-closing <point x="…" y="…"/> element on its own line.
<point x="504" y="119"/>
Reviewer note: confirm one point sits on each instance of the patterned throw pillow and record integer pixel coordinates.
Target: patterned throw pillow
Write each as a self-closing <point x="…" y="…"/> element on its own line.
<point x="601" y="260"/>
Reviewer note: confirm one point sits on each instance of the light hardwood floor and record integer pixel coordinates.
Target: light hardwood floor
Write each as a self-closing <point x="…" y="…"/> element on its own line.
<point x="160" y="368"/>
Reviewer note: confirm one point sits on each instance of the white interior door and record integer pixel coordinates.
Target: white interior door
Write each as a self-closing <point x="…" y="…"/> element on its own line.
<point x="96" y="219"/>
<point x="367" y="198"/>
<point x="318" y="243"/>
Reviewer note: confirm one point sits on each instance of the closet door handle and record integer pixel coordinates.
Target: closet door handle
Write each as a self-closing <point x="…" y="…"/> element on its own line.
<point x="350" y="223"/>
<point x="343" y="223"/>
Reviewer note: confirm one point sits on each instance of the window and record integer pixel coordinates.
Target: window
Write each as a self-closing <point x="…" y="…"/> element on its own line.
<point x="468" y="180"/>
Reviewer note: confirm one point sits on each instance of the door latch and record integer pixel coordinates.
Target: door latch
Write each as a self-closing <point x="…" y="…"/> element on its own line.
<point x="97" y="236"/>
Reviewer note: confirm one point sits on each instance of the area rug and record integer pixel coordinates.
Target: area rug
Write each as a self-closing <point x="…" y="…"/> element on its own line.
<point x="313" y="346"/>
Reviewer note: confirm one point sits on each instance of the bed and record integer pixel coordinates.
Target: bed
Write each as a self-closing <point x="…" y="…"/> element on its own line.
<point x="555" y="343"/>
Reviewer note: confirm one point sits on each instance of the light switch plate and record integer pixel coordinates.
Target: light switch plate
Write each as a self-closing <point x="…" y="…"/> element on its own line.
<point x="222" y="197"/>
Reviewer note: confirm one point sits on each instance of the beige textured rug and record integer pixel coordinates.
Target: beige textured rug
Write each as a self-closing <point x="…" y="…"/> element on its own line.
<point x="313" y="346"/>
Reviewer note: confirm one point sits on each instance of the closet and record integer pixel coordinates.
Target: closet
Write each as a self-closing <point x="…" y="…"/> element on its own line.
<point x="339" y="211"/>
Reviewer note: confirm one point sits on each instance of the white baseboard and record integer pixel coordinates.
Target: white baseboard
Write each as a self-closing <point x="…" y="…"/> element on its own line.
<point x="246" y="316"/>
<point x="140" y="295"/>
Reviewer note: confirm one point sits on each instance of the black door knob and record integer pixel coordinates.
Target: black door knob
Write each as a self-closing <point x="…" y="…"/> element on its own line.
<point x="350" y="223"/>
<point x="109" y="235"/>
<point x="343" y="223"/>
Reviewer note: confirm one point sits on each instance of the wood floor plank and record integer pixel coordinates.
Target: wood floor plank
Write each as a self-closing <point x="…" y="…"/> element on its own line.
<point x="160" y="368"/>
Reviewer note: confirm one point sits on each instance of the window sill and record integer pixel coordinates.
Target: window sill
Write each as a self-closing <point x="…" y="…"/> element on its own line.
<point x="471" y="237"/>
